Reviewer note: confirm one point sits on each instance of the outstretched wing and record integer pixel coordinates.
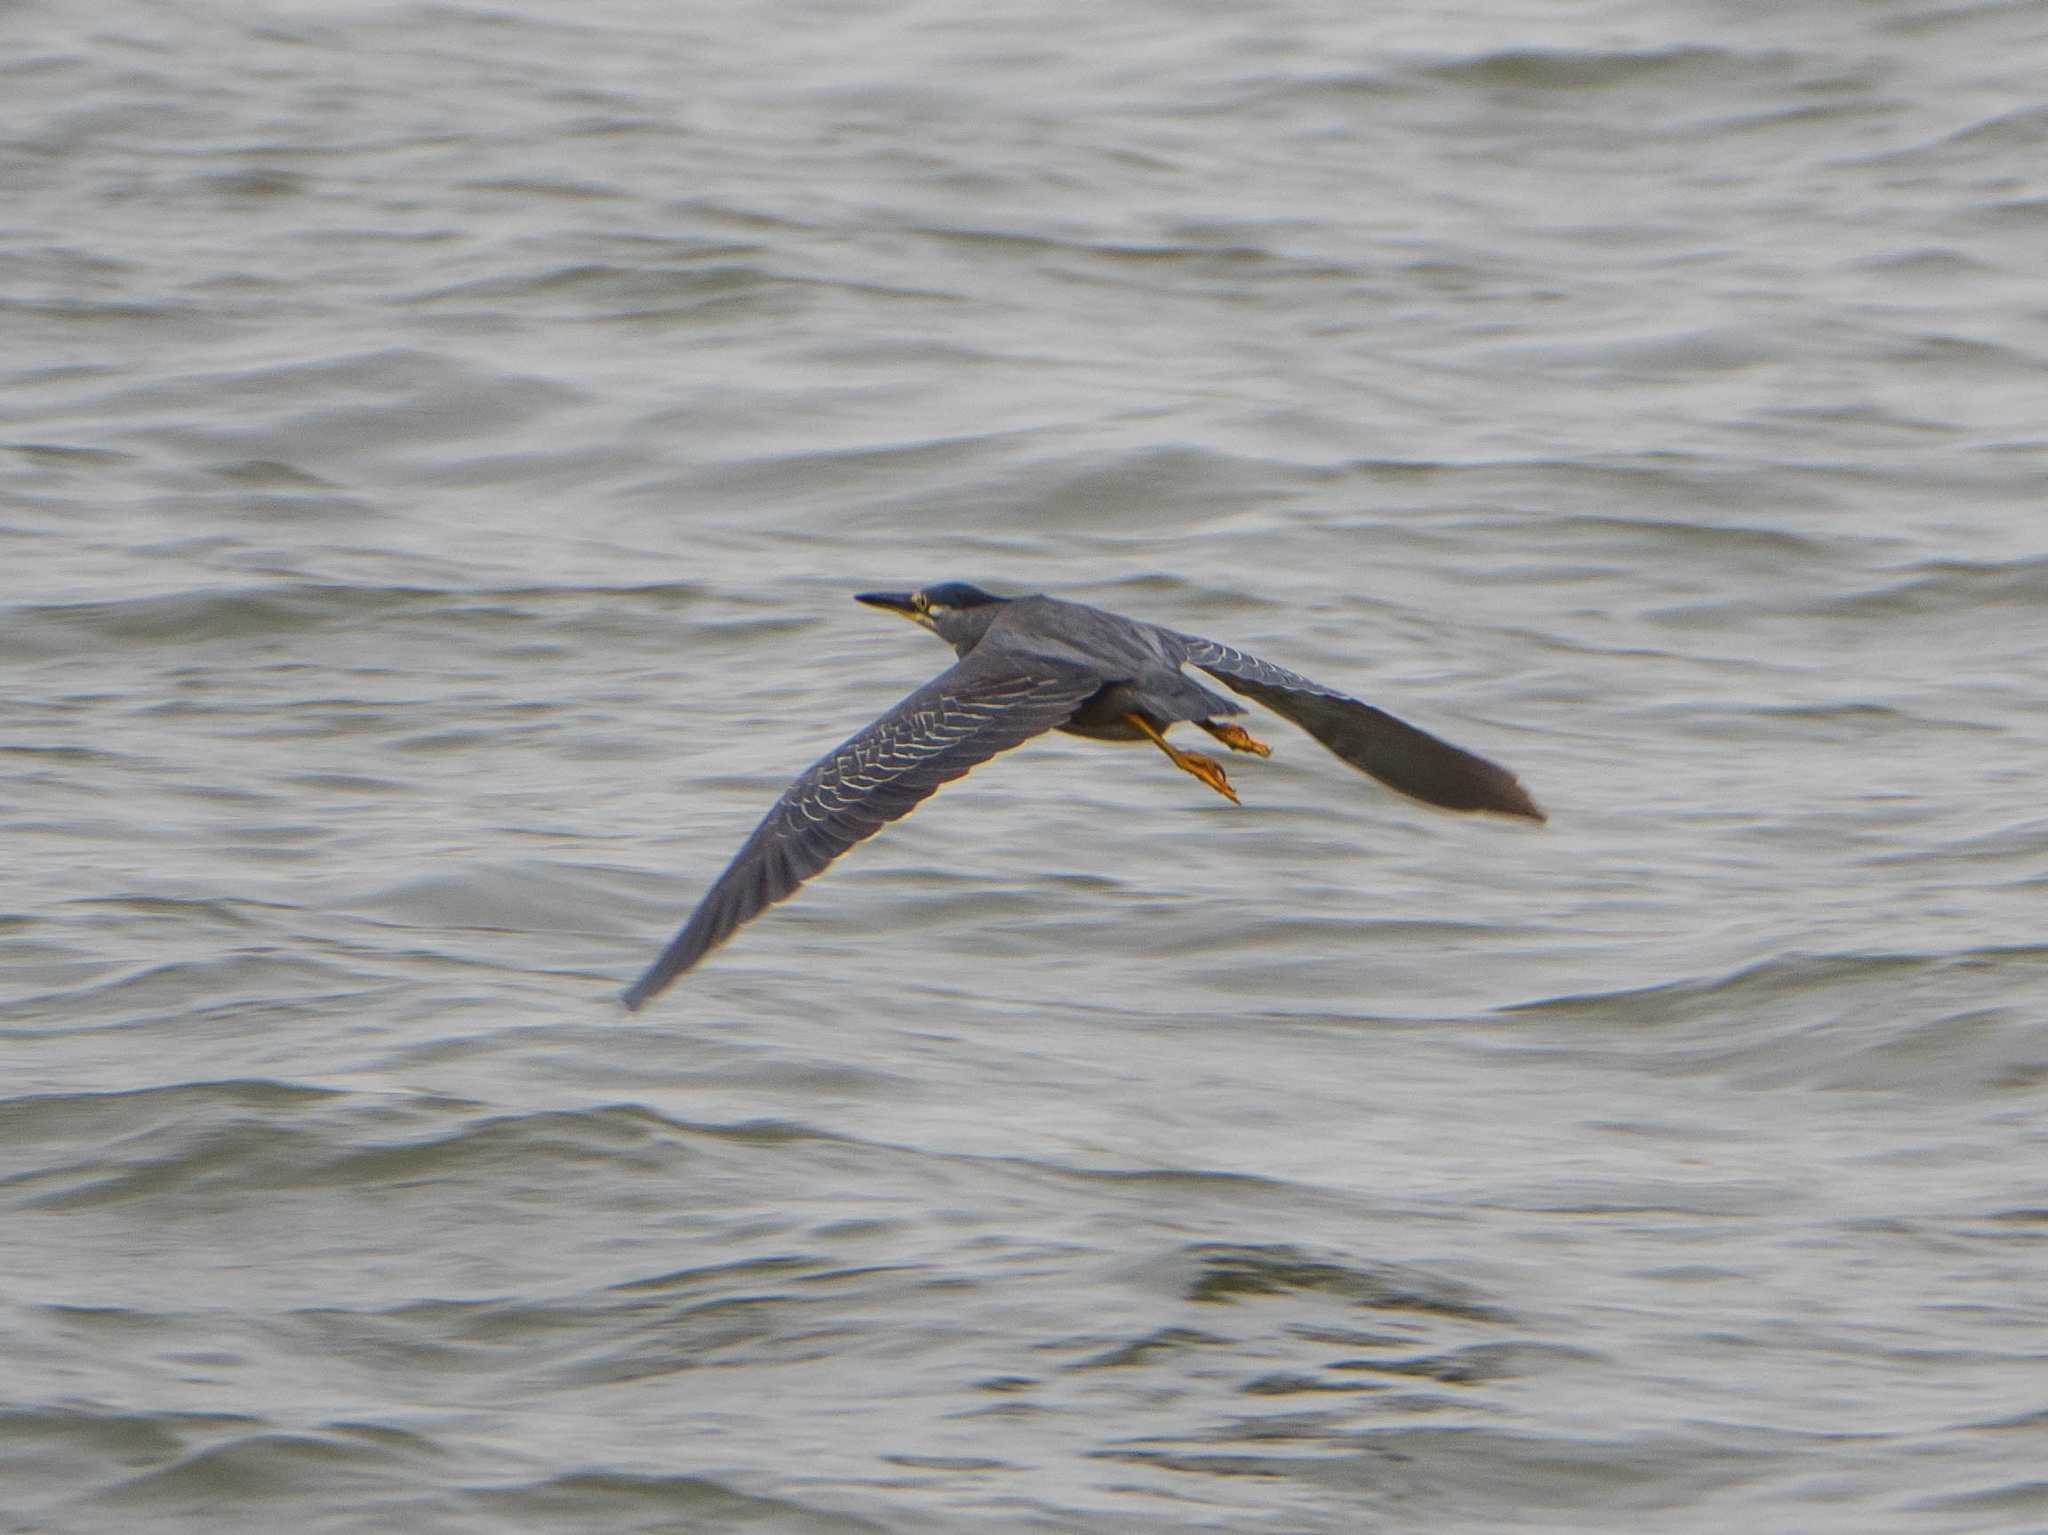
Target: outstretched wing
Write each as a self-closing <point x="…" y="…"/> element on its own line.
<point x="962" y="717"/>
<point x="1371" y="740"/>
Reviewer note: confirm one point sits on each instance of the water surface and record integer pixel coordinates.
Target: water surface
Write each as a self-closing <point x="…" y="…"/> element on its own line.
<point x="441" y="444"/>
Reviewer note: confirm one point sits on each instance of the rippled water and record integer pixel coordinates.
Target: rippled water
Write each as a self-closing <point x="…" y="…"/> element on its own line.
<point x="439" y="446"/>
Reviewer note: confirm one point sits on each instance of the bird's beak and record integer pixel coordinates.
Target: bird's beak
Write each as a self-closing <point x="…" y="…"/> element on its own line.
<point x="899" y="603"/>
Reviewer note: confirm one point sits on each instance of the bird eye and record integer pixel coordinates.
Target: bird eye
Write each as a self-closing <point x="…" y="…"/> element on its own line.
<point x="922" y="603"/>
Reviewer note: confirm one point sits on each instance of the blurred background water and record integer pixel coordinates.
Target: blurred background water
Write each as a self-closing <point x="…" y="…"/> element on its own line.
<point x="440" y="442"/>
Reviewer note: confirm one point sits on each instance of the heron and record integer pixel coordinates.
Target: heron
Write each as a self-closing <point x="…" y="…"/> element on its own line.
<point x="1029" y="664"/>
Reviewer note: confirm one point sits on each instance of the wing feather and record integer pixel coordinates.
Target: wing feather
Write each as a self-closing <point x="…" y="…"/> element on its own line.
<point x="1395" y="752"/>
<point x="955" y="722"/>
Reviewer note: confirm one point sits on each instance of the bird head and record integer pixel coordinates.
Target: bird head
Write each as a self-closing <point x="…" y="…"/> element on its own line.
<point x="956" y="612"/>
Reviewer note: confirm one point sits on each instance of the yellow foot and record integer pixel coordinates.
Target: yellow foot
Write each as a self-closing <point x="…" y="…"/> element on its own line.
<point x="1237" y="738"/>
<point x="1208" y="769"/>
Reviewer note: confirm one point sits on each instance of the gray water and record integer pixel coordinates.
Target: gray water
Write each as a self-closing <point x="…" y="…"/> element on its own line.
<point x="440" y="444"/>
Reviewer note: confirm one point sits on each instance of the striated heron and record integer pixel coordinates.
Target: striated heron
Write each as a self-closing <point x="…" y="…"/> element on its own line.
<point x="1032" y="664"/>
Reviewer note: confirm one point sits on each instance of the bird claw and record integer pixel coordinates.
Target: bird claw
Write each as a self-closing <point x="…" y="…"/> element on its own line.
<point x="1238" y="739"/>
<point x="1210" y="771"/>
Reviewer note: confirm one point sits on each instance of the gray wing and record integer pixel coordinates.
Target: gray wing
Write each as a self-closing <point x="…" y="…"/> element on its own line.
<point x="961" y="718"/>
<point x="1371" y="740"/>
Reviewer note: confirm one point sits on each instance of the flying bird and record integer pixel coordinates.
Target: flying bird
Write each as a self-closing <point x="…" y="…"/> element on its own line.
<point x="1032" y="664"/>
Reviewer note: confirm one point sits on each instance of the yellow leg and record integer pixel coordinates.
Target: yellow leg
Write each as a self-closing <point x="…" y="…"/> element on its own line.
<point x="1237" y="738"/>
<point x="1208" y="769"/>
